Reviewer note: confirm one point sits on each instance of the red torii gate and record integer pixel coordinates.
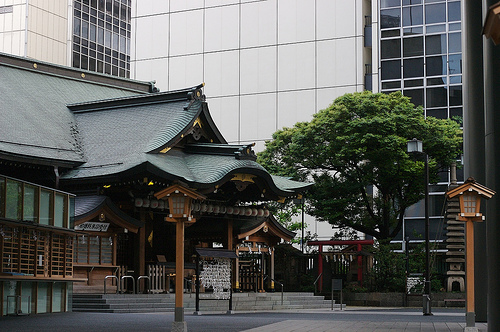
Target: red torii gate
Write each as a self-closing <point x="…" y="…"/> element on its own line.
<point x="320" y="245"/>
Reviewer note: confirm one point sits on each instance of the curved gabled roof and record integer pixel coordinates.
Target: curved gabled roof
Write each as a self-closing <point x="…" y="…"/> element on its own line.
<point x="129" y="135"/>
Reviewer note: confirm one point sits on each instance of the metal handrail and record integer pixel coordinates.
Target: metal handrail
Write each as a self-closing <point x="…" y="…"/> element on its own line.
<point x="133" y="283"/>
<point x="316" y="282"/>
<point x="139" y="284"/>
<point x="281" y="284"/>
<point x="117" y="283"/>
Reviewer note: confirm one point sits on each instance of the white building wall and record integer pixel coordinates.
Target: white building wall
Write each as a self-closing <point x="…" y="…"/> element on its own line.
<point x="266" y="64"/>
<point x="35" y="28"/>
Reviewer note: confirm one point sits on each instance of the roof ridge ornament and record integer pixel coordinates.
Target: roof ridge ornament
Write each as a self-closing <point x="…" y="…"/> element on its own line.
<point x="196" y="94"/>
<point x="246" y="153"/>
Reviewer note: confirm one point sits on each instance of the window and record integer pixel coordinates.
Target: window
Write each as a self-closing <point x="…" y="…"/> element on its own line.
<point x="14" y="200"/>
<point x="412" y="16"/>
<point x="435" y="65"/>
<point x="93" y="249"/>
<point x="390" y="48"/>
<point x="46" y="207"/>
<point x="30" y="204"/>
<point x="2" y="197"/>
<point x="435" y="44"/>
<point x="391" y="69"/>
<point x="390" y="18"/>
<point x="59" y="210"/>
<point x="413" y="46"/>
<point x="413" y="67"/>
<point x="435" y="13"/>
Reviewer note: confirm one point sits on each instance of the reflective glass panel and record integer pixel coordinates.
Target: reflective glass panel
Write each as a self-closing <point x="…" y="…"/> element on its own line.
<point x="455" y="64"/>
<point x="455" y="42"/>
<point x="391" y="69"/>
<point x="390" y="48"/>
<point x="440" y="113"/>
<point x="389" y="3"/>
<point x="412" y="16"/>
<point x="437" y="97"/>
<point x="455" y="95"/>
<point x="436" y="65"/>
<point x="454" y="11"/>
<point x="413" y="46"/>
<point x="390" y="18"/>
<point x="45" y="207"/>
<point x="416" y="96"/>
<point x="413" y="67"/>
<point x="435" y="13"/>
<point x="435" y="44"/>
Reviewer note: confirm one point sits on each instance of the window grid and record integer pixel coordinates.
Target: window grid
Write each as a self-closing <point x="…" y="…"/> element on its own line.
<point x="101" y="36"/>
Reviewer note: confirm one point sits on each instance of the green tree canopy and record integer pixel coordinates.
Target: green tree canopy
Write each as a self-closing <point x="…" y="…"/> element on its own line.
<point x="355" y="151"/>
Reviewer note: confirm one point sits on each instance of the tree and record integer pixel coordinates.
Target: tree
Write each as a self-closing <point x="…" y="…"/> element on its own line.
<point x="355" y="151"/>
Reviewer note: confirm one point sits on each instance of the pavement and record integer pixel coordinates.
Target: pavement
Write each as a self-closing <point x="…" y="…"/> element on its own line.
<point x="353" y="319"/>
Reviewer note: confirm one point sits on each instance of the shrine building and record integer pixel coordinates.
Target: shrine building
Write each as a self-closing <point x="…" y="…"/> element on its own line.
<point x="84" y="160"/>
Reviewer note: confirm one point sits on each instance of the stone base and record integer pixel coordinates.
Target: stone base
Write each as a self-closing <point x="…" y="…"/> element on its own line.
<point x="179" y="327"/>
<point x="470" y="329"/>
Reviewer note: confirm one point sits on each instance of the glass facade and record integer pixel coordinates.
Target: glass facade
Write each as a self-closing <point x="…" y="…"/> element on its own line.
<point x="421" y="55"/>
<point x="101" y="36"/>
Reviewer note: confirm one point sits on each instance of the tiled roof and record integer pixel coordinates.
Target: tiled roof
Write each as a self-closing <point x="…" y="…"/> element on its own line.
<point x="35" y="120"/>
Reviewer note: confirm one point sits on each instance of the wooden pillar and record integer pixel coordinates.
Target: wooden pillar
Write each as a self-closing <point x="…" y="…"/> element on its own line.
<point x="469" y="273"/>
<point x="272" y="268"/>
<point x="141" y="259"/>
<point x="179" y="271"/>
<point x="237" y="271"/>
<point x="230" y="234"/>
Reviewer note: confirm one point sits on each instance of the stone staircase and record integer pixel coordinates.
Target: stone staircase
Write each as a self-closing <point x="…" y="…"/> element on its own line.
<point x="137" y="303"/>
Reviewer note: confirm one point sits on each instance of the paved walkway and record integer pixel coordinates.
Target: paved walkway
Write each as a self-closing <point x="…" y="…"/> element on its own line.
<point x="368" y="320"/>
<point x="354" y="319"/>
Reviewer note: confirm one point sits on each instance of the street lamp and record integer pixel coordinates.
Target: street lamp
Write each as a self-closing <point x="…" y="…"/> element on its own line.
<point x="179" y="203"/>
<point x="416" y="146"/>
<point x="470" y="194"/>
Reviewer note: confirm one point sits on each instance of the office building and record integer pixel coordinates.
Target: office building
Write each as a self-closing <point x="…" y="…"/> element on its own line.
<point x="88" y="34"/>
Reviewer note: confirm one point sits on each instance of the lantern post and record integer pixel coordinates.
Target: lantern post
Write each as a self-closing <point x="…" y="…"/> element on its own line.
<point x="470" y="194"/>
<point x="179" y="204"/>
<point x="416" y="146"/>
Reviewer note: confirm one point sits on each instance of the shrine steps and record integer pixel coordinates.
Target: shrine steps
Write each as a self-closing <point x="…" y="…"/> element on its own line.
<point x="143" y="303"/>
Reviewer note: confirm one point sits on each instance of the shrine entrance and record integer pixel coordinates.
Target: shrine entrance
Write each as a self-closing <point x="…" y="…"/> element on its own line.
<point x="252" y="272"/>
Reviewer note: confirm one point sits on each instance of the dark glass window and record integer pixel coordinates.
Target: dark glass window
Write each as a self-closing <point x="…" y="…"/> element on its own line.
<point x="455" y="95"/>
<point x="391" y="85"/>
<point x="389" y="3"/>
<point x="436" y="81"/>
<point x="416" y="96"/>
<point x="390" y="48"/>
<point x="391" y="69"/>
<point x="435" y="44"/>
<point x="454" y="11"/>
<point x="413" y="46"/>
<point x="413" y="83"/>
<point x="435" y="65"/>
<point x="455" y="112"/>
<point x="390" y="18"/>
<point x="390" y="33"/>
<point x="413" y="31"/>
<point x="437" y="97"/>
<point x="413" y="67"/>
<point x="412" y="16"/>
<point x="435" y="13"/>
<point x="455" y="42"/>
<point x="440" y="113"/>
<point x="76" y="26"/>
